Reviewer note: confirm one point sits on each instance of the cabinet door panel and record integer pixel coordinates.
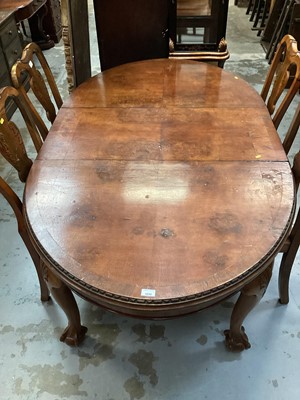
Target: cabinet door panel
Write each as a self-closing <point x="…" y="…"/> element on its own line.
<point x="131" y="30"/>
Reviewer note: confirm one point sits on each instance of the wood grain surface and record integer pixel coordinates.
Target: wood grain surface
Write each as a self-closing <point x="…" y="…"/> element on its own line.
<point x="162" y="175"/>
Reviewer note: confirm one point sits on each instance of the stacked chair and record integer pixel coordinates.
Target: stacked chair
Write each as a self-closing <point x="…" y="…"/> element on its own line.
<point x="259" y="11"/>
<point x="272" y="19"/>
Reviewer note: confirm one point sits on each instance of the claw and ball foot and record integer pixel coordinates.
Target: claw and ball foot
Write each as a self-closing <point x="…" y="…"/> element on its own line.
<point x="236" y="342"/>
<point x="72" y="337"/>
<point x="236" y="339"/>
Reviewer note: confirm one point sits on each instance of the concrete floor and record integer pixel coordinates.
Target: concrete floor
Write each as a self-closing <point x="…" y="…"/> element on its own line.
<point x="124" y="358"/>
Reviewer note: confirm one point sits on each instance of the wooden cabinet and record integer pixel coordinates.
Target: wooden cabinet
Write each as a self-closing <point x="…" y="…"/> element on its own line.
<point x="11" y="40"/>
<point x="11" y="47"/>
<point x="4" y="76"/>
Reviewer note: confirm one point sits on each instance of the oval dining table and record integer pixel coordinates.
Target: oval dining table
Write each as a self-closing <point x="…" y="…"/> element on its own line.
<point x="161" y="189"/>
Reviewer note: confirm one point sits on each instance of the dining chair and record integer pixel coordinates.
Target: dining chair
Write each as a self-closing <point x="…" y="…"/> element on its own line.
<point x="249" y="6"/>
<point x="284" y="70"/>
<point x="26" y="75"/>
<point x="13" y="149"/>
<point x="291" y="244"/>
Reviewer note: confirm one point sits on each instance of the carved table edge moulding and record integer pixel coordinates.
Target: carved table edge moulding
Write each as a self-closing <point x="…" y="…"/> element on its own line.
<point x="60" y="281"/>
<point x="77" y="283"/>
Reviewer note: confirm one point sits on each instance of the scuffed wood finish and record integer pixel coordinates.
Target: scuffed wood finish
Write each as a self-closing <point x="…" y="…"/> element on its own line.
<point x="164" y="84"/>
<point x="161" y="189"/>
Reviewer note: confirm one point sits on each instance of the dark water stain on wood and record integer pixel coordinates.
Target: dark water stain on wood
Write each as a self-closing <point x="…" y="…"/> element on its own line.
<point x="225" y="223"/>
<point x="215" y="259"/>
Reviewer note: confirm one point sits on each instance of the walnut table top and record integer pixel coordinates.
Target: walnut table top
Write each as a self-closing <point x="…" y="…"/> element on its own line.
<point x="161" y="189"/>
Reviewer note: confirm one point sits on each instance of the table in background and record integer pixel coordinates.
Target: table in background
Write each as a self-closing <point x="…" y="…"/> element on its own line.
<point x="162" y="188"/>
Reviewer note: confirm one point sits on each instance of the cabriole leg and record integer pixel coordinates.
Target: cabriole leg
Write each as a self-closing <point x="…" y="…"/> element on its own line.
<point x="235" y="337"/>
<point x="74" y="332"/>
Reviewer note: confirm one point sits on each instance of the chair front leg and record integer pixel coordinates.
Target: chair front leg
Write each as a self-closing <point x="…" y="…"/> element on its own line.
<point x="287" y="262"/>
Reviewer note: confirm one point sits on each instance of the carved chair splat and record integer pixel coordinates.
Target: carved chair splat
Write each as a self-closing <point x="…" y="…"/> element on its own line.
<point x="27" y="67"/>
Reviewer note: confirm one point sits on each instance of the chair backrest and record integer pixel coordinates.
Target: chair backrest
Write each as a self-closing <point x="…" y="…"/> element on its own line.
<point x="284" y="69"/>
<point x="26" y="69"/>
<point x="11" y="143"/>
